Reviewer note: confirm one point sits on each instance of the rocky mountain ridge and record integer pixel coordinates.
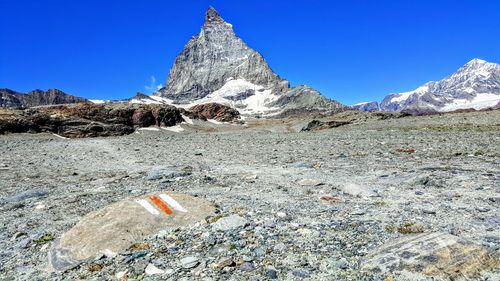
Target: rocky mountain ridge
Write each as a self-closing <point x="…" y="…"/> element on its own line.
<point x="10" y="98"/>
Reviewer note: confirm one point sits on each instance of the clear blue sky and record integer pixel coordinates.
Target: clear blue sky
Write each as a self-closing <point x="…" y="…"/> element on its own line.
<point x="351" y="51"/>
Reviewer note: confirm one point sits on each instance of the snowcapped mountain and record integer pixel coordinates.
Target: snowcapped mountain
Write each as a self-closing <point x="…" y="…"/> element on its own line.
<point x="367" y="106"/>
<point x="476" y="85"/>
<point x="217" y="66"/>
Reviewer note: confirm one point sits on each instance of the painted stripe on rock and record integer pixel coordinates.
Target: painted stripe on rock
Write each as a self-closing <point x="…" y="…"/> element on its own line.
<point x="173" y="203"/>
<point x="161" y="205"/>
<point x="147" y="206"/>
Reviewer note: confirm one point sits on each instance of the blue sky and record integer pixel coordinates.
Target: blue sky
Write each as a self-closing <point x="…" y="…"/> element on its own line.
<point x="351" y="51"/>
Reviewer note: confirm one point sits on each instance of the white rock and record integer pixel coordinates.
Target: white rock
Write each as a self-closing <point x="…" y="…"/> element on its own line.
<point x="357" y="190"/>
<point x="229" y="223"/>
<point x="189" y="262"/>
<point x="120" y="275"/>
<point x="151" y="269"/>
<point x="309" y="182"/>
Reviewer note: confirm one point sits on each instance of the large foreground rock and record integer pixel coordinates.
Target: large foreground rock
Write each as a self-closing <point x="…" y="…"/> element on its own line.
<point x="433" y="254"/>
<point x="115" y="228"/>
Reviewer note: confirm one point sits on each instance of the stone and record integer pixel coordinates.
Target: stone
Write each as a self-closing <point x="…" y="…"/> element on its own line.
<point x="230" y="223"/>
<point x="17" y="235"/>
<point x="300" y="273"/>
<point x="483" y="209"/>
<point x="281" y="214"/>
<point x="225" y="262"/>
<point x="303" y="165"/>
<point x="121" y="275"/>
<point x="272" y="273"/>
<point x="25" y="195"/>
<point x="428" y="211"/>
<point x="433" y="254"/>
<point x="247" y="266"/>
<point x="356" y="190"/>
<point x="309" y="182"/>
<point x="151" y="269"/>
<point x="189" y="262"/>
<point x="116" y="227"/>
<point x="165" y="172"/>
<point x="410" y="228"/>
<point x="23" y="244"/>
<point x="316" y="125"/>
<point x="329" y="198"/>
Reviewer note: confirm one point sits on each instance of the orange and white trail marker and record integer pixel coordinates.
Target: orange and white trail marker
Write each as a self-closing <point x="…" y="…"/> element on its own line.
<point x="161" y="205"/>
<point x="162" y="202"/>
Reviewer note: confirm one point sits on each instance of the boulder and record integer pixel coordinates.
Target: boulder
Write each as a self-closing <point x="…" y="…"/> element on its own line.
<point x="432" y="254"/>
<point x="230" y="223"/>
<point x="216" y="111"/>
<point x="116" y="227"/>
<point x="316" y="125"/>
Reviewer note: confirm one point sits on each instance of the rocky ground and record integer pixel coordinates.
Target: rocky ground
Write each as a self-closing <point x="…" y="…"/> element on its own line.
<point x="290" y="205"/>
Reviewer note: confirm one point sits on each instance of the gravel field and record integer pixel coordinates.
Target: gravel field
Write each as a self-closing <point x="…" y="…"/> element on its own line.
<point x="298" y="205"/>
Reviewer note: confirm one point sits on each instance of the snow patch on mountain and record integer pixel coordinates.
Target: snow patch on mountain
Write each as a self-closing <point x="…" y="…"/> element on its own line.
<point x="480" y="101"/>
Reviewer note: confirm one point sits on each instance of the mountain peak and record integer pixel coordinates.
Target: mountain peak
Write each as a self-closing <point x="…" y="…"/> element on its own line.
<point x="212" y="16"/>
<point x="475" y="63"/>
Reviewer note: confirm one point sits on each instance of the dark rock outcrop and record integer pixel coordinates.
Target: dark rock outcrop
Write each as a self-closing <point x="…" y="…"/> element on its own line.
<point x="215" y="111"/>
<point x="88" y="120"/>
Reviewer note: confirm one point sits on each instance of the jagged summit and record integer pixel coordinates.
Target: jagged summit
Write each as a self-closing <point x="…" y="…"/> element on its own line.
<point x="213" y="17"/>
<point x="214" y="57"/>
<point x="476" y="62"/>
<point x="217" y="66"/>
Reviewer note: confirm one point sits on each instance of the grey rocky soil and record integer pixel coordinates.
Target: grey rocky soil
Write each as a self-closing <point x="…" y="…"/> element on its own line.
<point x="319" y="205"/>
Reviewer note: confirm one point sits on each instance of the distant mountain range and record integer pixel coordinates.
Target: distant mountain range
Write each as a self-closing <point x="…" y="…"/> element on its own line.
<point x="476" y="85"/>
<point x="10" y="98"/>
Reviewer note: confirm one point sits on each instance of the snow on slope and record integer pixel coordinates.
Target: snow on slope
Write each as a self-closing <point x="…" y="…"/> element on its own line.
<point x="401" y="97"/>
<point x="480" y="101"/>
<point x="246" y="97"/>
<point x="242" y="95"/>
